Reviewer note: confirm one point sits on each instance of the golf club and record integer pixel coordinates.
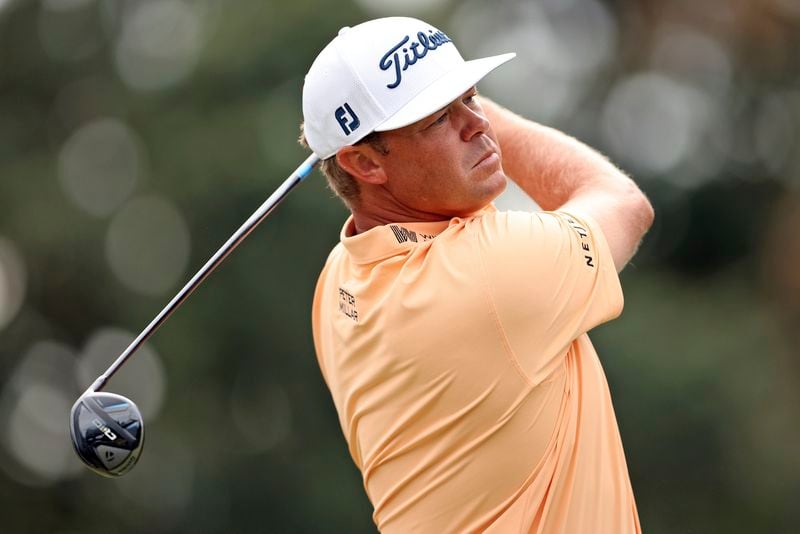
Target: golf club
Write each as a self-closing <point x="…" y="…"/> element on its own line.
<point x="107" y="430"/>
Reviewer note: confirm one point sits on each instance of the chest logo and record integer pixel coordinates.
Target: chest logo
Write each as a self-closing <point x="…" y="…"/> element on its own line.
<point x="347" y="304"/>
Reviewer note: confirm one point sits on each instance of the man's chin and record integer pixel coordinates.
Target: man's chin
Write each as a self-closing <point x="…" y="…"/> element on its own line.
<point x="499" y="182"/>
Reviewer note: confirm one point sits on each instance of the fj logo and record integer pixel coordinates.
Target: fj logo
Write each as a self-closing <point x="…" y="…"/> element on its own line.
<point x="347" y="118"/>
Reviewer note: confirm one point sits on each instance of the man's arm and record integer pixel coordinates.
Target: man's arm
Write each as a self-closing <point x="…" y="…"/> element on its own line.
<point x="561" y="173"/>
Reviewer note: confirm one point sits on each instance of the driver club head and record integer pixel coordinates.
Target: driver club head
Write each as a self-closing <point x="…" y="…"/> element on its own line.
<point x="107" y="432"/>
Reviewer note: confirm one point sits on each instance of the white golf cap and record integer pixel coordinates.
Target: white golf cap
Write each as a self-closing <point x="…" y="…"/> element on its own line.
<point x="381" y="75"/>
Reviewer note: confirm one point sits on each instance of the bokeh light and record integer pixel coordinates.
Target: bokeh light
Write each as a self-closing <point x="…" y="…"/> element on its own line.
<point x="561" y="47"/>
<point x="99" y="166"/>
<point x="4" y="4"/>
<point x="147" y="245"/>
<point x="159" y="44"/>
<point x="34" y="416"/>
<point x="33" y="426"/>
<point x="13" y="280"/>
<point x="142" y="379"/>
<point x="693" y="57"/>
<point x="653" y="122"/>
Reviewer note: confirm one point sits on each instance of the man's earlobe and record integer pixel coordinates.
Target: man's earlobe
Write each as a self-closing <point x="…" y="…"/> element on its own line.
<point x="361" y="164"/>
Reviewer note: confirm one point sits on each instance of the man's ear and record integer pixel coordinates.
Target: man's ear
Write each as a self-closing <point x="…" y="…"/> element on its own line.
<point x="361" y="162"/>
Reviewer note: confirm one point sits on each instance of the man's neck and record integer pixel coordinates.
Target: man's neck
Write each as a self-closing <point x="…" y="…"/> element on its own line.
<point x="365" y="220"/>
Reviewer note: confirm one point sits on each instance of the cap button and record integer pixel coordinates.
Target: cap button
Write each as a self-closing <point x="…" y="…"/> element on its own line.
<point x="343" y="30"/>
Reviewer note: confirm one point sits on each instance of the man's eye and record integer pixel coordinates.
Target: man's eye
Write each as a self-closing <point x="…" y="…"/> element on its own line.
<point x="441" y="119"/>
<point x="470" y="99"/>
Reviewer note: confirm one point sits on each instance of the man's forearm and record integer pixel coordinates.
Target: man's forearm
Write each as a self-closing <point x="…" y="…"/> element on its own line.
<point x="550" y="166"/>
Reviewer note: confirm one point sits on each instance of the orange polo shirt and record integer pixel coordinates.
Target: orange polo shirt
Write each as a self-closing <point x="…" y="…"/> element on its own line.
<point x="467" y="389"/>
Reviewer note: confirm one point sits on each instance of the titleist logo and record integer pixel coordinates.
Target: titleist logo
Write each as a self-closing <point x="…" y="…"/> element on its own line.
<point x="412" y="53"/>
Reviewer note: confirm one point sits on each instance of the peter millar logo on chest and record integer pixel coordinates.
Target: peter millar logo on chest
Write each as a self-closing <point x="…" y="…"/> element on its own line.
<point x="405" y="54"/>
<point x="347" y="304"/>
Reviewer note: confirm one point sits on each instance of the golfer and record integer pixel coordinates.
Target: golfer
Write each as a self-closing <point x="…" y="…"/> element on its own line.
<point x="452" y="336"/>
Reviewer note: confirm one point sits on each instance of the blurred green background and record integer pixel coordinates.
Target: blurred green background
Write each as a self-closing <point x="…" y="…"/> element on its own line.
<point x="136" y="136"/>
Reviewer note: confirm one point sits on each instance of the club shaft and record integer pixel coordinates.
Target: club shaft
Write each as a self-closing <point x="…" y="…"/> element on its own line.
<point x="249" y="225"/>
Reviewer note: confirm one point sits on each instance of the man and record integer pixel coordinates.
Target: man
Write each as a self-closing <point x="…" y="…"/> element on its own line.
<point x="453" y="336"/>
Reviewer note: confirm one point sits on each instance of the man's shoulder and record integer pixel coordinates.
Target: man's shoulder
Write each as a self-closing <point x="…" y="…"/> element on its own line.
<point x="508" y="223"/>
<point x="334" y="256"/>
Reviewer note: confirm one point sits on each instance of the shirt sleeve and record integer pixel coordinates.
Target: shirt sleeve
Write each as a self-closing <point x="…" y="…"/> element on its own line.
<point x="550" y="278"/>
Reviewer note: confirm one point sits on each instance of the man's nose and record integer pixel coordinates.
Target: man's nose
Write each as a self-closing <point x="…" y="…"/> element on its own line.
<point x="474" y="122"/>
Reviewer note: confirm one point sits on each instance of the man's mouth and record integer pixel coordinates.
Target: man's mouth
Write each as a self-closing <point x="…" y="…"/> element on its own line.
<point x="487" y="158"/>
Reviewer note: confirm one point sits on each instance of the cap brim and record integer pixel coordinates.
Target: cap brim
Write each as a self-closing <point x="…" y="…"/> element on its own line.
<point x="443" y="91"/>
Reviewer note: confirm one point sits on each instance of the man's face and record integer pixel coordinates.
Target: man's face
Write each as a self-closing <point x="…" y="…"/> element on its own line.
<point x="446" y="164"/>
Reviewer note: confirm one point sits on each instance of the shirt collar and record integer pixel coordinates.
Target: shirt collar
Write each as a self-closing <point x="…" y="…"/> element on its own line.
<point x="381" y="242"/>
